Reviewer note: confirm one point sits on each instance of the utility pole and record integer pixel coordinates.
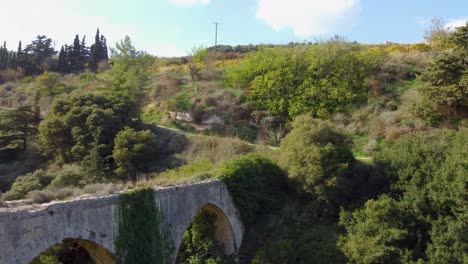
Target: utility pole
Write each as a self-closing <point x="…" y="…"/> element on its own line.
<point x="216" y="33"/>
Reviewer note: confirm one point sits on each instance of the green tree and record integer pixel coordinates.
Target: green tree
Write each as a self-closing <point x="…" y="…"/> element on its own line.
<point x="438" y="35"/>
<point x="424" y="216"/>
<point x="317" y="156"/>
<point x="62" y="61"/>
<point x="255" y="184"/>
<point x="446" y="79"/>
<point x="37" y="55"/>
<point x="384" y="231"/>
<point x="196" y="59"/>
<point x="19" y="126"/>
<point x="98" y="51"/>
<point x="81" y="128"/>
<point x="130" y="72"/>
<point x="321" y="79"/>
<point x="132" y="150"/>
<point x="48" y="81"/>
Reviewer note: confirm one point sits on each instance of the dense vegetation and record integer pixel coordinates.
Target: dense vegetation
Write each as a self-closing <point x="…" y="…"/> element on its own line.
<point x="139" y="237"/>
<point x="355" y="153"/>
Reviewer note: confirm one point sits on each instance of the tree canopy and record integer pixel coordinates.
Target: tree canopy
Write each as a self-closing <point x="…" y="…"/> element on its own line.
<point x="321" y="79"/>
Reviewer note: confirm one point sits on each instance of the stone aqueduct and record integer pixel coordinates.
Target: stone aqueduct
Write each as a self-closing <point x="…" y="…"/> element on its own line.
<point x="27" y="232"/>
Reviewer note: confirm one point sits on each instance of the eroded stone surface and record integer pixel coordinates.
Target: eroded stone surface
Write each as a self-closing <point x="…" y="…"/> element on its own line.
<point x="27" y="231"/>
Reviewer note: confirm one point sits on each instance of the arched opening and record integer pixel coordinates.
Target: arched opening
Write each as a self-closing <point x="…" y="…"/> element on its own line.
<point x="75" y="251"/>
<point x="209" y="236"/>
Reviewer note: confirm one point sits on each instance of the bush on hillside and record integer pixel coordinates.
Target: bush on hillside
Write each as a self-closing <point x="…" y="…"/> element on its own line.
<point x="317" y="156"/>
<point x="132" y="150"/>
<point x="255" y="184"/>
<point x="321" y="79"/>
<point x="71" y="175"/>
<point x="423" y="218"/>
<point x="24" y="184"/>
<point x="81" y="128"/>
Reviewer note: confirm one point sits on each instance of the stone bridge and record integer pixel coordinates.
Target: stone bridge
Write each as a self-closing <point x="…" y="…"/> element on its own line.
<point x="26" y="232"/>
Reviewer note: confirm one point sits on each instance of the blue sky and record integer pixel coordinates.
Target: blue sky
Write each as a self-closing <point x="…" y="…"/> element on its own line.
<point x="172" y="27"/>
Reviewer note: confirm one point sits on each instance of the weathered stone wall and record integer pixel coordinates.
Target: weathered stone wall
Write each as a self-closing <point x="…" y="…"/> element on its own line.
<point x="27" y="232"/>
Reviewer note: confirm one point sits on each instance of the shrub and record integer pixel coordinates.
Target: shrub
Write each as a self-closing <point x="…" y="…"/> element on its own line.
<point x="29" y="182"/>
<point x="423" y="218"/>
<point x="10" y="75"/>
<point x="214" y="149"/>
<point x="198" y="112"/>
<point x="245" y="131"/>
<point x="384" y="231"/>
<point x="87" y="76"/>
<point x="71" y="175"/>
<point x="101" y="188"/>
<point x="181" y="102"/>
<point x="132" y="150"/>
<point x="27" y="79"/>
<point x="255" y="184"/>
<point x="317" y="156"/>
<point x="48" y="81"/>
<point x="67" y="192"/>
<point x="38" y="196"/>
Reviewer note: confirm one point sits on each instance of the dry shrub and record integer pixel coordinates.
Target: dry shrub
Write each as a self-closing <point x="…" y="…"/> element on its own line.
<point x="376" y="128"/>
<point x="241" y="112"/>
<point x="390" y="118"/>
<point x="165" y="87"/>
<point x="392" y="133"/>
<point x="209" y="101"/>
<point x="375" y="88"/>
<point x="102" y="188"/>
<point x="67" y="192"/>
<point x="214" y="149"/>
<point x="400" y="66"/>
<point x="198" y="112"/>
<point x="43" y="196"/>
<point x="370" y="147"/>
<point x="419" y="124"/>
<point x="341" y="118"/>
<point x="103" y="66"/>
<point x="11" y="75"/>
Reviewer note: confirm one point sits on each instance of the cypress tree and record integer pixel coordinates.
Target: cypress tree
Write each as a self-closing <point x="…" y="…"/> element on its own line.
<point x="3" y="57"/>
<point x="20" y="48"/>
<point x="62" y="60"/>
<point x="98" y="51"/>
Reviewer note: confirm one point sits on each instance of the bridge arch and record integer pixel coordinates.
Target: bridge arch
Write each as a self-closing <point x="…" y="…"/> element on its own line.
<point x="79" y="248"/>
<point x="223" y="232"/>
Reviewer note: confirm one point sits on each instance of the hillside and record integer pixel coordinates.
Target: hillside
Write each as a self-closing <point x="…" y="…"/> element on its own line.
<point x="333" y="151"/>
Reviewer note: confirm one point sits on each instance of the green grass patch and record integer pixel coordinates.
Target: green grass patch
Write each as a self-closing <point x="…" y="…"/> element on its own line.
<point x="400" y="88"/>
<point x="195" y="171"/>
<point x="360" y="140"/>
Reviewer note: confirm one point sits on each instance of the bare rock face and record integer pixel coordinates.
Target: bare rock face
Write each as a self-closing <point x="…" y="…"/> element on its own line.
<point x="28" y="231"/>
<point x="213" y="120"/>
<point x="184" y="117"/>
<point x="181" y="116"/>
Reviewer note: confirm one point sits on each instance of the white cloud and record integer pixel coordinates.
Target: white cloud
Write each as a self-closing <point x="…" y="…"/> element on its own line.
<point x="308" y="17"/>
<point x="57" y="20"/>
<point x="190" y="2"/>
<point x="454" y="23"/>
